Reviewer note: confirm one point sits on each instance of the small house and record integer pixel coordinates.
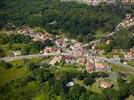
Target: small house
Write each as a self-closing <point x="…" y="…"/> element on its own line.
<point x="81" y="61"/>
<point x="105" y="84"/>
<point x="55" y="60"/>
<point x="67" y="58"/>
<point x="16" y="53"/>
<point x="101" y="66"/>
<point x="70" y="84"/>
<point x="130" y="53"/>
<point x="89" y="67"/>
<point x="48" y="50"/>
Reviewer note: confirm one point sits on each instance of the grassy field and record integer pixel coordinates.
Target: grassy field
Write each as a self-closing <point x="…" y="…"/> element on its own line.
<point x="12" y="74"/>
<point x="95" y="88"/>
<point x="120" y="68"/>
<point x="131" y="63"/>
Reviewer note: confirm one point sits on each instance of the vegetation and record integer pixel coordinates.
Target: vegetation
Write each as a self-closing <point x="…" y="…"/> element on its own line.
<point x="34" y="78"/>
<point x="121" y="40"/>
<point x="78" y="20"/>
<point x="31" y="81"/>
<point x="12" y="42"/>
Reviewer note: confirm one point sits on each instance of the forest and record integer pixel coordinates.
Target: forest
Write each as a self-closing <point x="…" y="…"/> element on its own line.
<point x="79" y="21"/>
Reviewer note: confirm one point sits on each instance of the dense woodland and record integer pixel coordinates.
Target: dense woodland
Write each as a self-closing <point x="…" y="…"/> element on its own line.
<point x="78" y="20"/>
<point x="121" y="40"/>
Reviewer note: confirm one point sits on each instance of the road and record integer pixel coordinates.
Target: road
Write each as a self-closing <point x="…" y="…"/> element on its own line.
<point x="61" y="54"/>
<point x="112" y="60"/>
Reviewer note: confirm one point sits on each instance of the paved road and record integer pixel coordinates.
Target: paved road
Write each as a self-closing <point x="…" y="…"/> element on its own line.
<point x="60" y="54"/>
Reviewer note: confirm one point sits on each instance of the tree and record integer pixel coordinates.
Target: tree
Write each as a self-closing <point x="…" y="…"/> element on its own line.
<point x="36" y="46"/>
<point x="75" y="92"/>
<point x="82" y="96"/>
<point x="25" y="50"/>
<point x="3" y="38"/>
<point x="31" y="66"/>
<point x="109" y="94"/>
<point x="58" y="87"/>
<point x="95" y="97"/>
<point x="89" y="80"/>
<point x="43" y="75"/>
<point x="81" y="76"/>
<point x="5" y="64"/>
<point x="2" y="53"/>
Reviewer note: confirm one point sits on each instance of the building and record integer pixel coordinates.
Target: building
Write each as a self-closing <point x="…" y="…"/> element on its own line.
<point x="16" y="53"/>
<point x="128" y="16"/>
<point x="68" y="58"/>
<point x="101" y="66"/>
<point x="81" y="61"/>
<point x="105" y="84"/>
<point x="55" y="60"/>
<point x="130" y="53"/>
<point x="128" y="1"/>
<point x="108" y="41"/>
<point x="48" y="50"/>
<point x="89" y="67"/>
<point x="70" y="84"/>
<point x="60" y="43"/>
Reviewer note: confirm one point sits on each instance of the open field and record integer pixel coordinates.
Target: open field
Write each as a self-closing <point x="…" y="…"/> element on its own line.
<point x="119" y="68"/>
<point x="12" y="74"/>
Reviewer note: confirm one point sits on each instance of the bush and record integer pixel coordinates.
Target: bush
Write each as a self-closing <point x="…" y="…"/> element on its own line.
<point x="89" y="80"/>
<point x="5" y="64"/>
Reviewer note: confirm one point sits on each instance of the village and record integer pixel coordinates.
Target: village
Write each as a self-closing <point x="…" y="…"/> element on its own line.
<point x="77" y="53"/>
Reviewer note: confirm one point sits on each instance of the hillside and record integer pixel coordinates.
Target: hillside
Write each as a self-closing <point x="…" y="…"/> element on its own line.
<point x="78" y="20"/>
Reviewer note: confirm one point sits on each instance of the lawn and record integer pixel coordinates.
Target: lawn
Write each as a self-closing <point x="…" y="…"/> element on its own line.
<point x="16" y="72"/>
<point x="122" y="69"/>
<point x="41" y="96"/>
<point x="95" y="88"/>
<point x="22" y="61"/>
<point x="12" y="74"/>
<point x="131" y="63"/>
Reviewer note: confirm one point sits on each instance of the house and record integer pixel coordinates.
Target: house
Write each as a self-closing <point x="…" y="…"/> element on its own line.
<point x="55" y="60"/>
<point x="101" y="66"/>
<point x="130" y="53"/>
<point x="79" y="52"/>
<point x="24" y="30"/>
<point x="70" y="84"/>
<point x="77" y="45"/>
<point x="89" y="67"/>
<point x="73" y="41"/>
<point x="127" y="1"/>
<point x="60" y="42"/>
<point x="66" y="40"/>
<point x="125" y="62"/>
<point x="105" y="84"/>
<point x="116" y="56"/>
<point x="68" y="58"/>
<point x="108" y="41"/>
<point x="72" y="47"/>
<point x="81" y="61"/>
<point x="16" y="53"/>
<point x="48" y="50"/>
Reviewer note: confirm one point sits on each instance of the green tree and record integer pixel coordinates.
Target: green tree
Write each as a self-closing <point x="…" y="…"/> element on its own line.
<point x="5" y="64"/>
<point x="89" y="80"/>
<point x="2" y="53"/>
